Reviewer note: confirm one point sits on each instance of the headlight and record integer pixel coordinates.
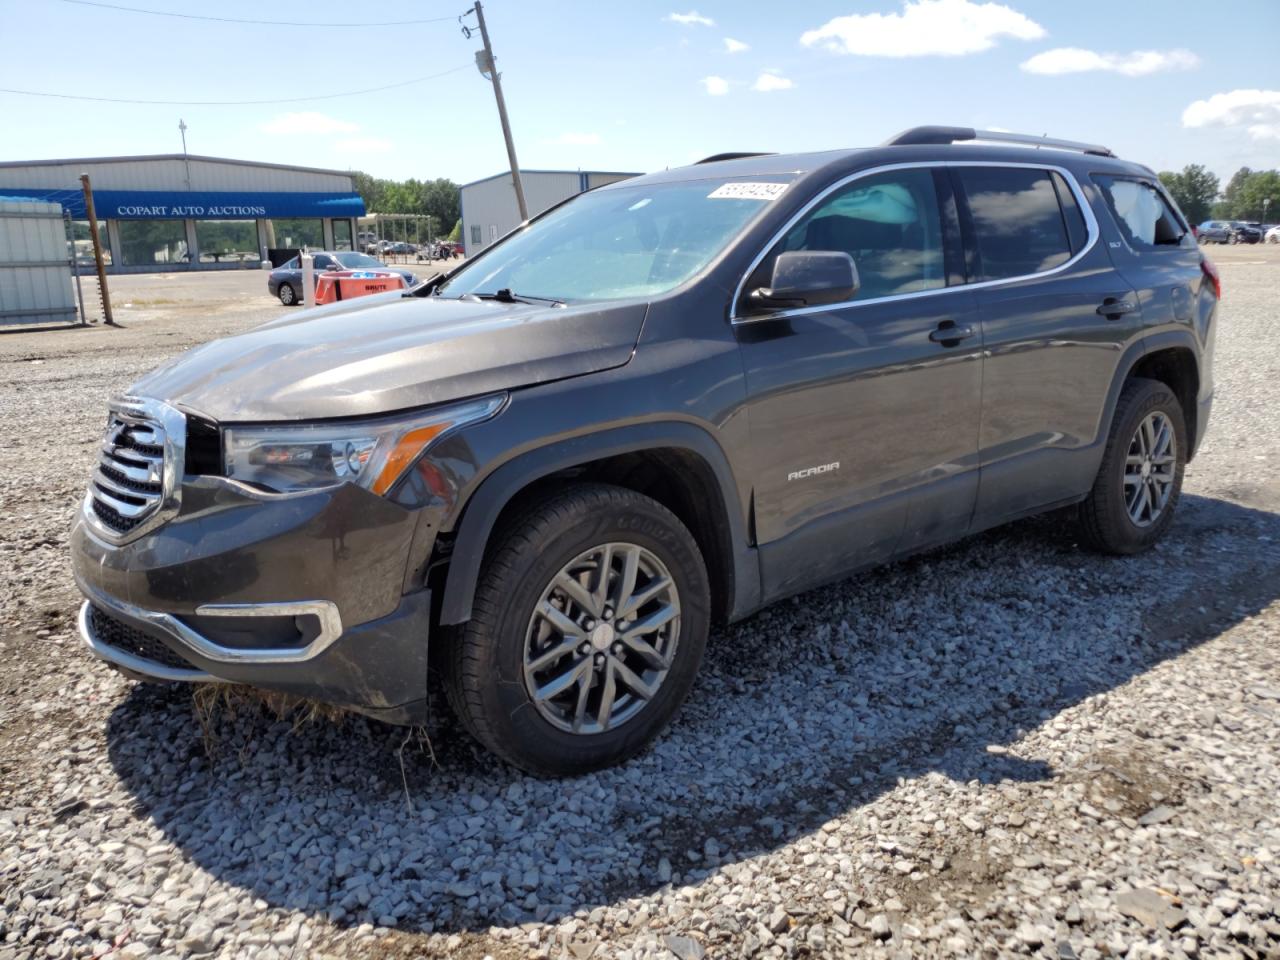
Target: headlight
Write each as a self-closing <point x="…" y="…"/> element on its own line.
<point x="373" y="453"/>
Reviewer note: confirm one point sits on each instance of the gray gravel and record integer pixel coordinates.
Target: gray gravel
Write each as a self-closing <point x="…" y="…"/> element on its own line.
<point x="1009" y="747"/>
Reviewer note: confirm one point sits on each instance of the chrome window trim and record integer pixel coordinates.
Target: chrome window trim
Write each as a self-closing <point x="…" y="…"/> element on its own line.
<point x="144" y="411"/>
<point x="325" y="611"/>
<point x="1091" y="225"/>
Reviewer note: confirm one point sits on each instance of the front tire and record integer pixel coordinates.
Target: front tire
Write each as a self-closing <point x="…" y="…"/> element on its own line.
<point x="288" y="296"/>
<point x="1139" y="482"/>
<point x="587" y="629"/>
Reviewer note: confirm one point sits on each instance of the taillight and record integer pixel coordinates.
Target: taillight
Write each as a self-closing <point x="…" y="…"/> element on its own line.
<point x="1211" y="274"/>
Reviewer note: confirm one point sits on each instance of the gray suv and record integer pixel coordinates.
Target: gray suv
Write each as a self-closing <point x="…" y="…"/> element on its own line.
<point x="663" y="404"/>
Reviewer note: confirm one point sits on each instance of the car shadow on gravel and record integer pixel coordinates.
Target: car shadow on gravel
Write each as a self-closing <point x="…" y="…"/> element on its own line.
<point x="809" y="710"/>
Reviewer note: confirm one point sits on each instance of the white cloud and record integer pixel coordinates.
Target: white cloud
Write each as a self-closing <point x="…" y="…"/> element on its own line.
<point x="289" y="124"/>
<point x="690" y="19"/>
<point x="924" y="28"/>
<point x="1258" y="111"/>
<point x="716" y="86"/>
<point x="571" y="139"/>
<point x="735" y="46"/>
<point x="771" y="80"/>
<point x="363" y="145"/>
<point x="1136" y="64"/>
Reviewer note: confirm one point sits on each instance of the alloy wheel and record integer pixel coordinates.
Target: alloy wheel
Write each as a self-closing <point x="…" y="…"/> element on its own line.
<point x="602" y="638"/>
<point x="1149" y="469"/>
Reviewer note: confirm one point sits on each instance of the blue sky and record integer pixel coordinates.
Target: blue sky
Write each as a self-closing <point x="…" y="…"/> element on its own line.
<point x="640" y="86"/>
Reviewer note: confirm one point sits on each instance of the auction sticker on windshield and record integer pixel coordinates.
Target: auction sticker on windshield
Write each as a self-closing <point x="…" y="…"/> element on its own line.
<point x="747" y="191"/>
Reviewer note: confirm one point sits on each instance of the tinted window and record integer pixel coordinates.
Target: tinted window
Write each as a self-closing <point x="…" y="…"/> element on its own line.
<point x="1017" y="223"/>
<point x="1141" y="213"/>
<point x="888" y="223"/>
<point x="1077" y="230"/>
<point x="354" y="260"/>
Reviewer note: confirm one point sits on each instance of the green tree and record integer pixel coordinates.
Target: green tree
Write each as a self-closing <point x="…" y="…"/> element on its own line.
<point x="370" y="190"/>
<point x="455" y="235"/>
<point x="1231" y="195"/>
<point x="439" y="199"/>
<point x="1258" y="188"/>
<point x="1194" y="189"/>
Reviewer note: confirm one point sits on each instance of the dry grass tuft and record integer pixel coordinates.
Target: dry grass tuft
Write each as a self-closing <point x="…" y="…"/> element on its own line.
<point x="216" y="702"/>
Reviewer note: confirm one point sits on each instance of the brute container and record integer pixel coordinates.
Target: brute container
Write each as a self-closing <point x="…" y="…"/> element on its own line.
<point x="344" y="284"/>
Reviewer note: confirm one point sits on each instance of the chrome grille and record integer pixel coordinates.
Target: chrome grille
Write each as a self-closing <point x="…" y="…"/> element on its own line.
<point x="136" y="480"/>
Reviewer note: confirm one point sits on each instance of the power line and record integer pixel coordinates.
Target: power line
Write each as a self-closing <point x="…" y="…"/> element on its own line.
<point x="234" y="103"/>
<point x="257" y="23"/>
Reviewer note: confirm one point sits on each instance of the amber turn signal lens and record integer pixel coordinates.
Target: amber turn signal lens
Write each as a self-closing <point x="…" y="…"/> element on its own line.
<point x="406" y="448"/>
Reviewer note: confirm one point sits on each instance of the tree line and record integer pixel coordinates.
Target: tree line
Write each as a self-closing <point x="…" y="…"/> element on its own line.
<point x="438" y="199"/>
<point x="1201" y="196"/>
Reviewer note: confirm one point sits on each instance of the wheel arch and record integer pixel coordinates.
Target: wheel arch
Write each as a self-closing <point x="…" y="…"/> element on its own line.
<point x="1175" y="366"/>
<point x="1151" y="357"/>
<point x="678" y="464"/>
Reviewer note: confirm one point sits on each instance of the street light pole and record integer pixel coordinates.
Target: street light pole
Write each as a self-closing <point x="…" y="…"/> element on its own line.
<point x="485" y="61"/>
<point x="182" y="129"/>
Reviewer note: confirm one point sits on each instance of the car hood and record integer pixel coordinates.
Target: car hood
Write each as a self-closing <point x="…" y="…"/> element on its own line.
<point x="391" y="352"/>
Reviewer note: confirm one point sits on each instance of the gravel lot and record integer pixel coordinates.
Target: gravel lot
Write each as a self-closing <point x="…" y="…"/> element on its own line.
<point x="1008" y="747"/>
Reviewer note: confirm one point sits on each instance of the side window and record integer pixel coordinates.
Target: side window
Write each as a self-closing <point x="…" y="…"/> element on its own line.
<point x="888" y="223"/>
<point x="475" y="234"/>
<point x="1141" y="212"/>
<point x="322" y="262"/>
<point x="1018" y="225"/>
<point x="1077" y="229"/>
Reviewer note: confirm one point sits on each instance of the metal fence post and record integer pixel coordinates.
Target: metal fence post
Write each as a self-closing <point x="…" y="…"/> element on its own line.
<point x="75" y="265"/>
<point x="308" y="280"/>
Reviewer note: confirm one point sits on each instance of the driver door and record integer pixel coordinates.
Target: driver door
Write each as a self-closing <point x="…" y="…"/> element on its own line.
<point x="864" y="415"/>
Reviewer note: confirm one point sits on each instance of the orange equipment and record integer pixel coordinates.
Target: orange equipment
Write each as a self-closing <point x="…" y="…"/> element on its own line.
<point x="344" y="284"/>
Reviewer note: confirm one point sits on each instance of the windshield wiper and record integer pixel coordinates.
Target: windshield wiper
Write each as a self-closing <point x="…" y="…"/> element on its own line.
<point x="505" y="295"/>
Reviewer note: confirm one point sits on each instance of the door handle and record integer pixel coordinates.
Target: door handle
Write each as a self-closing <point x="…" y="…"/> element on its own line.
<point x="948" y="334"/>
<point x="1113" y="308"/>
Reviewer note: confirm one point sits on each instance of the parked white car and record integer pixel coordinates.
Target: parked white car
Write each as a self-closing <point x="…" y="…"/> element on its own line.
<point x="1272" y="235"/>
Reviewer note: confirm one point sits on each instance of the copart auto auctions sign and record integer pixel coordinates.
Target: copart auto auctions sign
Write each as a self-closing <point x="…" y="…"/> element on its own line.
<point x="164" y="211"/>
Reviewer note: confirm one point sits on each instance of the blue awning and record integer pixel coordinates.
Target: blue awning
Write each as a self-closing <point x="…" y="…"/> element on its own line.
<point x="194" y="205"/>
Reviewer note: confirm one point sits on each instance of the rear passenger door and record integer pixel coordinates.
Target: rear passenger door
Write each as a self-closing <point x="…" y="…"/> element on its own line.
<point x="1056" y="317"/>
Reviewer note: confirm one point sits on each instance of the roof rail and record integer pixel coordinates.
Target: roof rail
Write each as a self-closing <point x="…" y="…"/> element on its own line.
<point x="934" y="134"/>
<point x="716" y="157"/>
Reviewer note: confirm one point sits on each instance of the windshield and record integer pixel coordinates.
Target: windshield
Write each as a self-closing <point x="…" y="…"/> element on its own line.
<point x="628" y="241"/>
<point x="353" y="260"/>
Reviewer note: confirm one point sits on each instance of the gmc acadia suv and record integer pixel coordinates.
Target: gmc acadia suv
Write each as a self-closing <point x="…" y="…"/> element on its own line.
<point x="665" y="403"/>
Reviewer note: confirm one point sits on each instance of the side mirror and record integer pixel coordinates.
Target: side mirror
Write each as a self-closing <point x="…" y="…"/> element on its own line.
<point x="807" y="278"/>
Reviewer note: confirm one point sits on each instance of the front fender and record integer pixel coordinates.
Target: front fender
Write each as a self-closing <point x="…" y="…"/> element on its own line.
<point x="496" y="491"/>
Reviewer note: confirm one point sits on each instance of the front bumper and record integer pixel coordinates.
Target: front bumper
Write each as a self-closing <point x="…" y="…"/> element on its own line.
<point x="302" y="594"/>
<point x="377" y="668"/>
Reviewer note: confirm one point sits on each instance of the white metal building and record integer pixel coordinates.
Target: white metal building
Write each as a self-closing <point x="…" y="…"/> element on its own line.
<point x="489" y="208"/>
<point x="35" y="268"/>
<point x="174" y="211"/>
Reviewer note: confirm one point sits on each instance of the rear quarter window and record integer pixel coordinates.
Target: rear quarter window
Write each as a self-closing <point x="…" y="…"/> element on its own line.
<point x="1142" y="214"/>
<point x="1018" y="225"/>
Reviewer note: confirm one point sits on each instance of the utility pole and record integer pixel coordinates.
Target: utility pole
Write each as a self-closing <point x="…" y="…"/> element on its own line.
<point x="485" y="61"/>
<point x="97" y="247"/>
<point x="182" y="129"/>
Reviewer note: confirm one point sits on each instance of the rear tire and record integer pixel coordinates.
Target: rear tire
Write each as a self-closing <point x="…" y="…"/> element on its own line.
<point x="607" y="544"/>
<point x="287" y="295"/>
<point x="1139" y="482"/>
